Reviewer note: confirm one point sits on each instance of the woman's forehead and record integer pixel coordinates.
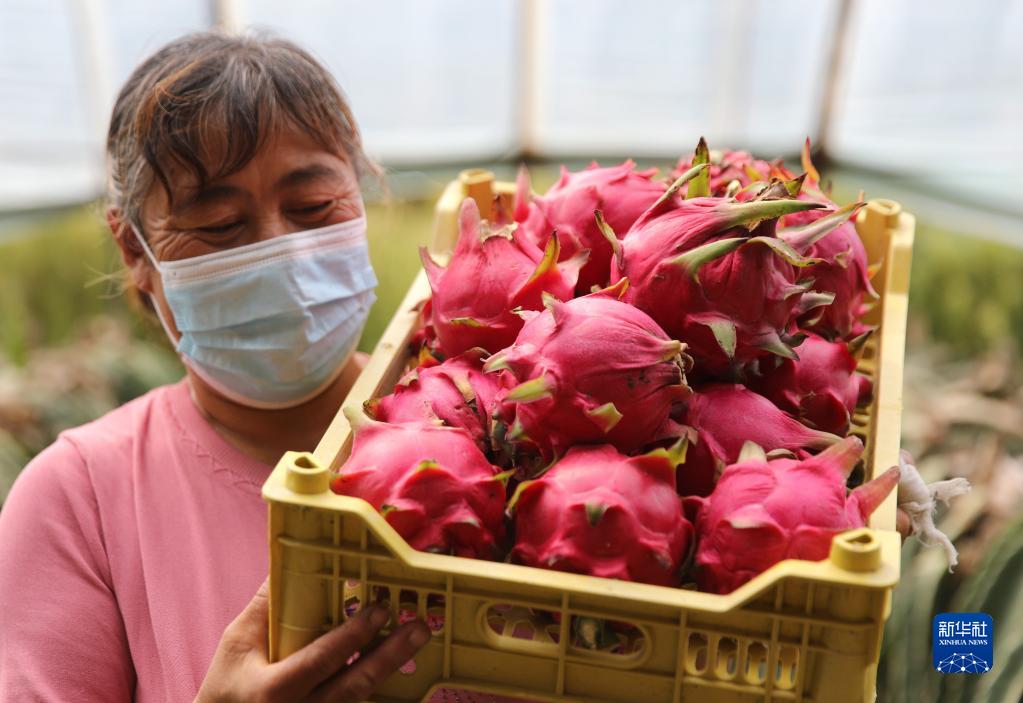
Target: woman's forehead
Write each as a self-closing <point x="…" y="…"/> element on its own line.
<point x="284" y="160"/>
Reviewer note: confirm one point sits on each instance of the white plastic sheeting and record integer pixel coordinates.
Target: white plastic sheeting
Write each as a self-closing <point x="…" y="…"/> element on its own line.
<point x="61" y="65"/>
<point x="428" y="81"/>
<point x="934" y="90"/>
<point x="928" y="88"/>
<point x="650" y="77"/>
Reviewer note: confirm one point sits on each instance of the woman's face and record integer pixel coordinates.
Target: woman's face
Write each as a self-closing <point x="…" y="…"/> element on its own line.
<point x="291" y="184"/>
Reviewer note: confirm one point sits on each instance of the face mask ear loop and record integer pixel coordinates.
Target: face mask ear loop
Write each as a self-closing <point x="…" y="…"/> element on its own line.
<point x="145" y="247"/>
<point x="152" y="301"/>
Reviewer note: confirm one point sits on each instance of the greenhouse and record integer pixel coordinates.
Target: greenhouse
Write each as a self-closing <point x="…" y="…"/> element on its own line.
<point x="564" y="349"/>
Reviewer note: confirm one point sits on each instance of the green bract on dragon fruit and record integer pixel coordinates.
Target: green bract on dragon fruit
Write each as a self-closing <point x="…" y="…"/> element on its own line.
<point x="635" y="377"/>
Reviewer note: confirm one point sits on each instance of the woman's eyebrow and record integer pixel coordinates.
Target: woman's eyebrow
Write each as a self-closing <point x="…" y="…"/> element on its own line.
<point x="204" y="196"/>
<point x="304" y="175"/>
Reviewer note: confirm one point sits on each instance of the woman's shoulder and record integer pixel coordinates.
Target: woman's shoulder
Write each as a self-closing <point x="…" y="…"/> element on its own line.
<point x="121" y="427"/>
<point x="106" y="441"/>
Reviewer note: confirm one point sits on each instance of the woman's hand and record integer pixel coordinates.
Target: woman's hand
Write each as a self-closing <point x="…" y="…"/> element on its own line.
<point x="241" y="671"/>
<point x="903" y="524"/>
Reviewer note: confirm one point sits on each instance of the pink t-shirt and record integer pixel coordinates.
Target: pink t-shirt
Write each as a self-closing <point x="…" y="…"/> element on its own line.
<point x="126" y="548"/>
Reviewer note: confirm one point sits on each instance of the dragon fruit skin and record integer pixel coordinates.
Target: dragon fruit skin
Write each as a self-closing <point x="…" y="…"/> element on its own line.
<point x="762" y="512"/>
<point x="601" y="513"/>
<point x="722" y="417"/>
<point x="432" y="484"/>
<point x="456" y="393"/>
<point x="821" y="388"/>
<point x="590" y="370"/>
<point x="621" y="192"/>
<point x="730" y="293"/>
<point x="492" y="272"/>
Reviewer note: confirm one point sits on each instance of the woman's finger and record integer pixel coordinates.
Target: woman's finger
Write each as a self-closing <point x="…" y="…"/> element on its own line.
<point x="359" y="681"/>
<point x="301" y="672"/>
<point x="903" y="524"/>
<point x="250" y="625"/>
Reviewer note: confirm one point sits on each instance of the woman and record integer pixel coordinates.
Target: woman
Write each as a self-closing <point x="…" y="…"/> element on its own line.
<point x="128" y="547"/>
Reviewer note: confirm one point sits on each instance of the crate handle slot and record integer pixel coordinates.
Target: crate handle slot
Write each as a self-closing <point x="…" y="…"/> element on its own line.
<point x="856" y="550"/>
<point x="305" y="474"/>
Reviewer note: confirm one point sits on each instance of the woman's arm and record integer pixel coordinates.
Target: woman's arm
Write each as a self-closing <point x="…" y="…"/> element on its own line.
<point x="62" y="637"/>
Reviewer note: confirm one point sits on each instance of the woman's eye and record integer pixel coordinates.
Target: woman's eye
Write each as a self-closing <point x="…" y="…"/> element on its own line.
<point x="219" y="229"/>
<point x="313" y="209"/>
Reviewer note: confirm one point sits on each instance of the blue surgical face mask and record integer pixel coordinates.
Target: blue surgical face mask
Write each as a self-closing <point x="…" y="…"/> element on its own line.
<point x="270" y="324"/>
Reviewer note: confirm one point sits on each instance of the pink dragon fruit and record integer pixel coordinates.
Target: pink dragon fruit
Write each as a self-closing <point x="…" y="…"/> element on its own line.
<point x="593" y="369"/>
<point x="491" y="273"/>
<point x="821" y="387"/>
<point x="843" y="271"/>
<point x="601" y="513"/>
<point x="621" y="192"/>
<point x="841" y="267"/>
<point x="731" y="293"/>
<point x="455" y="393"/>
<point x="725" y="167"/>
<point x="432" y="484"/>
<point x="722" y="417"/>
<point x="763" y="511"/>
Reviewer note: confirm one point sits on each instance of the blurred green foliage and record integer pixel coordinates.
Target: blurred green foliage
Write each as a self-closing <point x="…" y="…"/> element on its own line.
<point x="104" y="366"/>
<point x="967" y="291"/>
<point x="45" y="269"/>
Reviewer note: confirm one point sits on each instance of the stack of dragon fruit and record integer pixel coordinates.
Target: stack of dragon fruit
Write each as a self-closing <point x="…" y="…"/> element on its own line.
<point x="633" y="378"/>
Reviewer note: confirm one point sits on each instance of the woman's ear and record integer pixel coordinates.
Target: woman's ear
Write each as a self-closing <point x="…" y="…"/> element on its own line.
<point x="132" y="254"/>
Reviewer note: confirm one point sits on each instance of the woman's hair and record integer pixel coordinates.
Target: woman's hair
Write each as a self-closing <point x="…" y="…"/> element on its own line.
<point x="208" y="101"/>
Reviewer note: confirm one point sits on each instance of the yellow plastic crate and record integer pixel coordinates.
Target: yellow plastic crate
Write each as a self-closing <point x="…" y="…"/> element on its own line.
<point x="802" y="631"/>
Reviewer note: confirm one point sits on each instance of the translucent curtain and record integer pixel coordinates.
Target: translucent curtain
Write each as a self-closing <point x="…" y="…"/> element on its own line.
<point x="428" y="81"/>
<point x="934" y="90"/>
<point x="929" y="89"/>
<point x="649" y="77"/>
<point x="57" y="88"/>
